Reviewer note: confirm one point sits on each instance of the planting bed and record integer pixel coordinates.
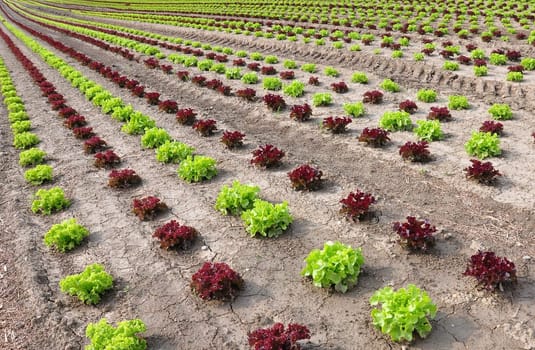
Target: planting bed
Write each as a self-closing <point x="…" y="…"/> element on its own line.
<point x="356" y="190"/>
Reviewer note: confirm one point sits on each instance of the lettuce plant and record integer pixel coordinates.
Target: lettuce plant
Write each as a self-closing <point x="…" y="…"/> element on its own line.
<point x="268" y="70"/>
<point x="174" y="235"/>
<point x="375" y="137"/>
<point x="483" y="145"/>
<point x="274" y="102"/>
<point x="277" y="337"/>
<point x="106" y="159"/>
<point x="216" y="281"/>
<point x="205" y="127"/>
<point x="232" y="139"/>
<point x="500" y="111"/>
<point x="267" y="156"/>
<point x="395" y="121"/>
<point x="313" y="81"/>
<point x="308" y="67"/>
<point x="25" y="140"/>
<point x="428" y="130"/>
<point x="249" y="78"/>
<point x="272" y="83"/>
<point x="104" y="336"/>
<point x="322" y="99"/>
<point x="147" y="208"/>
<point x="359" y="77"/>
<point x="123" y="178"/>
<point x="137" y="124"/>
<point x="481" y="71"/>
<point x="356" y="205"/>
<point x="154" y="137"/>
<point x="305" y="177"/>
<point x="402" y="312"/>
<point x="65" y="236"/>
<point x="294" y="89"/>
<point x="236" y="199"/>
<point x="75" y="121"/>
<point x="331" y="72"/>
<point x="457" y="102"/>
<point x="415" y="151"/>
<point x="168" y="106"/>
<point x="32" y="156"/>
<point x="336" y="125"/>
<point x="389" y="85"/>
<point x="340" y="87"/>
<point x="491" y="271"/>
<point x="451" y="66"/>
<point x="94" y="144"/>
<point x="482" y="172"/>
<point x="289" y="64"/>
<point x="354" y="110"/>
<point x="515" y="76"/>
<point x="233" y="73"/>
<point x="439" y="113"/>
<point x="88" y="285"/>
<point x="287" y="75"/>
<point x="492" y="127"/>
<point x="301" y="112"/>
<point x="185" y="116"/>
<point x="21" y="126"/>
<point x="415" y="234"/>
<point x="39" y="174"/>
<point x="173" y="152"/>
<point x="426" y="95"/>
<point x="83" y="132"/>
<point x="336" y="265"/>
<point x="48" y="201"/>
<point x="373" y="97"/>
<point x="247" y="93"/>
<point x="408" y="106"/>
<point x="267" y="219"/>
<point x="197" y="168"/>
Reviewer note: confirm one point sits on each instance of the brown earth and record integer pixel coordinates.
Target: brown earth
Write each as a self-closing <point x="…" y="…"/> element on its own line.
<point x="154" y="285"/>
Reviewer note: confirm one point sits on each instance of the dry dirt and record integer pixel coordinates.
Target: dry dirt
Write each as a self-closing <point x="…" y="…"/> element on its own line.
<point x="154" y="285"/>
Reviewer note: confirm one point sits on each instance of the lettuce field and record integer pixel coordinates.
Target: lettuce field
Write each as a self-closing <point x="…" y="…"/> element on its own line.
<point x="267" y="175"/>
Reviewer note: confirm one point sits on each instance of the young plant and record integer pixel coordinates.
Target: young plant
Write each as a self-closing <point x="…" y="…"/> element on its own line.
<point x="373" y="97"/>
<point x="216" y="281"/>
<point x="500" y="111"/>
<point x="32" y="156"/>
<point x="426" y="95"/>
<point x="106" y="159"/>
<point x="322" y="99"/>
<point x="83" y="132"/>
<point x="247" y="93"/>
<point x="75" y="121"/>
<point x="340" y="87"/>
<point x="21" y="126"/>
<point x="515" y="76"/>
<point x="249" y="78"/>
<point x="294" y="89"/>
<point x="492" y="127"/>
<point x="396" y="121"/>
<point x="205" y="127"/>
<point x="301" y="112"/>
<point x="49" y="201"/>
<point x="236" y="199"/>
<point x="308" y="67"/>
<point x="123" y="178"/>
<point x="439" y="113"/>
<point x="336" y="125"/>
<point x="197" y="168"/>
<point x="232" y="139"/>
<point x="173" y="235"/>
<point x="482" y="172"/>
<point x="185" y="116"/>
<point x="305" y="177"/>
<point x="356" y="205"/>
<point x="483" y="145"/>
<point x="266" y="219"/>
<point x="88" y="285"/>
<point x="25" y="140"/>
<point x="408" y="106"/>
<point x="375" y="137"/>
<point x="354" y="110"/>
<point x="415" y="151"/>
<point x="104" y="336"/>
<point x="331" y="72"/>
<point x="272" y="83"/>
<point x="415" y="234"/>
<point x="233" y="73"/>
<point x="359" y="77"/>
<point x="277" y="337"/>
<point x="65" y="236"/>
<point x="147" y="208"/>
<point x="402" y="312"/>
<point x="155" y="137"/>
<point x="289" y="64"/>
<point x="481" y="71"/>
<point x="451" y="65"/>
<point x="491" y="271"/>
<point x="428" y="130"/>
<point x="267" y="156"/>
<point x="153" y="98"/>
<point x="39" y="174"/>
<point x="389" y="85"/>
<point x="336" y="265"/>
<point x="274" y="102"/>
<point x="168" y="106"/>
<point x="268" y="70"/>
<point x="94" y="144"/>
<point x="457" y="102"/>
<point x="173" y="152"/>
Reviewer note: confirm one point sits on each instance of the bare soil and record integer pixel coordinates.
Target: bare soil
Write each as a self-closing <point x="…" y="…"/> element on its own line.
<point x="154" y="285"/>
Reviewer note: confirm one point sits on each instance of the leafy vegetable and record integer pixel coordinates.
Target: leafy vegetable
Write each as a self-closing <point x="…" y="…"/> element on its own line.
<point x="389" y="85"/>
<point x="48" y="201"/>
<point x="197" y="168"/>
<point x="267" y="219"/>
<point x="274" y="102"/>
<point x="39" y="174"/>
<point x="375" y="137"/>
<point x="232" y="139"/>
<point x="104" y="336"/>
<point x="336" y="125"/>
<point x="428" y="130"/>
<point x="483" y="145"/>
<point x="439" y="113"/>
<point x="402" y="312"/>
<point x="322" y="99"/>
<point x="457" y="102"/>
<point x="301" y="112"/>
<point x="154" y="137"/>
<point x="482" y="172"/>
<point x="373" y="97"/>
<point x="415" y="234"/>
<point x="340" y="87"/>
<point x="408" y="106"/>
<point x="277" y="337"/>
<point x="173" y="152"/>
<point x="88" y="285"/>
<point x="396" y="121"/>
<point x="137" y="124"/>
<point x="501" y="112"/>
<point x="272" y="83"/>
<point x="267" y="156"/>
<point x="336" y="265"/>
<point x="216" y="281"/>
<point x="356" y="205"/>
<point x="294" y="89"/>
<point x="25" y="140"/>
<point x="147" y="207"/>
<point x="31" y="156"/>
<point x="354" y="109"/>
<point x="490" y="270"/>
<point x="205" y="127"/>
<point x="236" y="199"/>
<point x="305" y="177"/>
<point x="359" y="77"/>
<point x="415" y="151"/>
<point x="66" y="235"/>
<point x="426" y="95"/>
<point x="106" y="159"/>
<point x="492" y="127"/>
<point x="123" y="178"/>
